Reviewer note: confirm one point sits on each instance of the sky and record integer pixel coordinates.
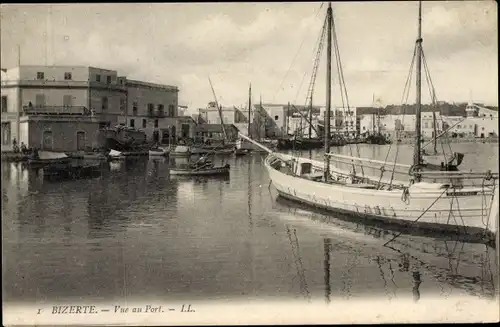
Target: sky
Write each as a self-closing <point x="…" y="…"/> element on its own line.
<point x="270" y="45"/>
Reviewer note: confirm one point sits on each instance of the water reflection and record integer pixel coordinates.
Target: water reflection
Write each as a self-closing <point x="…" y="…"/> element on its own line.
<point x="294" y="242"/>
<point x="327" y="244"/>
<point x="138" y="232"/>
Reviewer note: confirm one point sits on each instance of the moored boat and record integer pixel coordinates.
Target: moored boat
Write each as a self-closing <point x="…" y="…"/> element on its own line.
<point x="42" y="158"/>
<point x="158" y="152"/>
<point x="115" y="155"/>
<point x="181" y="151"/>
<point x="202" y="171"/>
<point x="461" y="203"/>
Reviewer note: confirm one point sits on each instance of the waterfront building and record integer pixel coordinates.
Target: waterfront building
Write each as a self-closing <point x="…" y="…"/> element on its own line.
<point x="153" y="108"/>
<point x="57" y="108"/>
<point x="215" y="132"/>
<point x="342" y="120"/>
<point x="65" y="108"/>
<point x="231" y="115"/>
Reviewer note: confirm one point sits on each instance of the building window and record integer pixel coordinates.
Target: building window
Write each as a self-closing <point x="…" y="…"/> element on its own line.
<point x="97" y="78"/>
<point x="156" y="123"/>
<point x="40" y="100"/>
<point x="160" y="110"/>
<point x="108" y="79"/>
<point x="40" y="75"/>
<point x="144" y="123"/>
<point x="6" y="133"/>
<point x="67" y="76"/>
<point x="80" y="141"/>
<point x="123" y="105"/>
<point x="134" y="108"/>
<point x="4" y="103"/>
<point x="132" y="123"/>
<point x="276" y="117"/>
<point x="150" y="109"/>
<point x="104" y="103"/>
<point x="171" y="110"/>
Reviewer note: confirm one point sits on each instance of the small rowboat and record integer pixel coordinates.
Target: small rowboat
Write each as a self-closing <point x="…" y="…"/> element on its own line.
<point x="241" y="152"/>
<point x="42" y="158"/>
<point x="158" y="152"/>
<point x="181" y="151"/>
<point x="202" y="171"/>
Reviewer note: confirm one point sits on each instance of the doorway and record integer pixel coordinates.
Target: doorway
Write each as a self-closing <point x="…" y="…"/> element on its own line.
<point x="47" y="140"/>
<point x="80" y="141"/>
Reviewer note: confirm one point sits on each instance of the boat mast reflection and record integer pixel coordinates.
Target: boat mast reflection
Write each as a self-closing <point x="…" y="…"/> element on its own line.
<point x="327" y="245"/>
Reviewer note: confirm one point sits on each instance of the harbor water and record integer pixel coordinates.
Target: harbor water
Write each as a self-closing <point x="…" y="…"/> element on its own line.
<point x="138" y="233"/>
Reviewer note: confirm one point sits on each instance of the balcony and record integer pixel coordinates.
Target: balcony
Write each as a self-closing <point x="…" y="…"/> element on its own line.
<point x="156" y="113"/>
<point x="63" y="84"/>
<point x="56" y="110"/>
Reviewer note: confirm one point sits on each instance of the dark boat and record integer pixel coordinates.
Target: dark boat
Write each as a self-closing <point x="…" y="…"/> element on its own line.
<point x="377" y="139"/>
<point x="299" y="143"/>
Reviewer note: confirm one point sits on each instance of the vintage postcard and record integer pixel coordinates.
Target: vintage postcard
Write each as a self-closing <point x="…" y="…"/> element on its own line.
<point x="249" y="163"/>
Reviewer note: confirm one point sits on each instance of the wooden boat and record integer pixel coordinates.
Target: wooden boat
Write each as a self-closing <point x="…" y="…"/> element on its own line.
<point x="94" y="156"/>
<point x="207" y="170"/>
<point x="440" y="160"/>
<point x="201" y="167"/>
<point x="241" y="152"/>
<point x="437" y="201"/>
<point x="71" y="171"/>
<point x="181" y="151"/>
<point x="299" y="143"/>
<point x="42" y="158"/>
<point x="114" y="155"/>
<point x="378" y="139"/>
<point x="158" y="152"/>
<point x="437" y="162"/>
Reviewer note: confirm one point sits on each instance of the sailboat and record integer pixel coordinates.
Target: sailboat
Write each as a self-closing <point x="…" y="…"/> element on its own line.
<point x="439" y="160"/>
<point x="435" y="201"/>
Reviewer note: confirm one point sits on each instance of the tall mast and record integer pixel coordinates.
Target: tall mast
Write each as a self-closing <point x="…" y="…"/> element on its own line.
<point x="249" y="108"/>
<point x="219" y="109"/>
<point x="417" y="153"/>
<point x="328" y="90"/>
<point x="310" y="117"/>
<point x="287" y="119"/>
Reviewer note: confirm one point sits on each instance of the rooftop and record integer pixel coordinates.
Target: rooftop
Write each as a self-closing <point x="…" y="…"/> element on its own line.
<point x="131" y="82"/>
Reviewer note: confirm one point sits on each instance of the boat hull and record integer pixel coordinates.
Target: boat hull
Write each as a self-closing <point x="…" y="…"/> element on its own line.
<point x="402" y="207"/>
<point x="158" y="153"/>
<point x="300" y="144"/>
<point x="222" y="170"/>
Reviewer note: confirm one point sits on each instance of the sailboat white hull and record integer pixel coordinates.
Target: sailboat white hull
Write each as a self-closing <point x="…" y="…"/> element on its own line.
<point x="463" y="211"/>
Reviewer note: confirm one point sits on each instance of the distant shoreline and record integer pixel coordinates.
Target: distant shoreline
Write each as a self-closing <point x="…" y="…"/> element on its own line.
<point x="456" y="140"/>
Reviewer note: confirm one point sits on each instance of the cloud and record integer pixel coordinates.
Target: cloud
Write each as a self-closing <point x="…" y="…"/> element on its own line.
<point x="235" y="43"/>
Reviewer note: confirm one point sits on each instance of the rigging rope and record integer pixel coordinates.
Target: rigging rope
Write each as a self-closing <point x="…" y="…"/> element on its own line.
<point x="434" y="98"/>
<point x="343" y="88"/>
<point x="404" y="100"/>
<point x="421" y="215"/>
<point x="296" y="55"/>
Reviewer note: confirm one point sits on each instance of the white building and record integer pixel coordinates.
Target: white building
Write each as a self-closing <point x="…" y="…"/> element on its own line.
<point x="63" y="107"/>
<point x="342" y="120"/>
